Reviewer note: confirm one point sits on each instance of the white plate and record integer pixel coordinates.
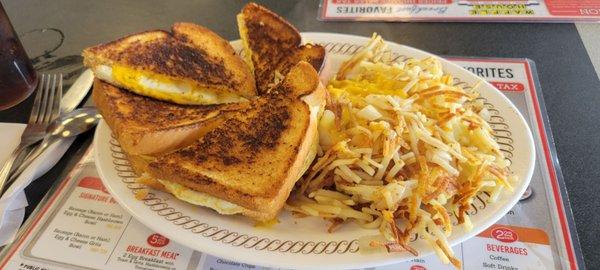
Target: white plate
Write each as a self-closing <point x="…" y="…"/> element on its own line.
<point x="305" y="243"/>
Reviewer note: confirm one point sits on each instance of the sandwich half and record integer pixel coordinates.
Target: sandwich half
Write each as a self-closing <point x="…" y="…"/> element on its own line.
<point x="272" y="46"/>
<point x="147" y="126"/>
<point x="189" y="65"/>
<point x="250" y="162"/>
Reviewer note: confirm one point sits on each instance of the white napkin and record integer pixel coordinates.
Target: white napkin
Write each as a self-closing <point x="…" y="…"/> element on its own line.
<point x="13" y="202"/>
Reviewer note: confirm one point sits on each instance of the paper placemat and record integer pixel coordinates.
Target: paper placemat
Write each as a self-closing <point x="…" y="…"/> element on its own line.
<point x="80" y="226"/>
<point x="461" y="10"/>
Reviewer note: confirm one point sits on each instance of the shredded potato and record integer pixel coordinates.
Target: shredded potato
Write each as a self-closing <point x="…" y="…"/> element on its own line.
<point x="402" y="150"/>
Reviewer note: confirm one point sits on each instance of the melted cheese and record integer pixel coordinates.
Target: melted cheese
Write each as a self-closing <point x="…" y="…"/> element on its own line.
<point x="162" y="87"/>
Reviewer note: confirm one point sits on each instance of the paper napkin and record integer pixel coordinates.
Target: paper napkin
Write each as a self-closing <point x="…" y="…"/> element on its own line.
<point x="13" y="202"/>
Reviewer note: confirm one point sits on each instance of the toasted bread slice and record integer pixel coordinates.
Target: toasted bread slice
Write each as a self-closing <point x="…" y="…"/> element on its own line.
<point x="146" y="126"/>
<point x="272" y="46"/>
<point x="255" y="156"/>
<point x="267" y="39"/>
<point x="191" y="65"/>
<point x="312" y="54"/>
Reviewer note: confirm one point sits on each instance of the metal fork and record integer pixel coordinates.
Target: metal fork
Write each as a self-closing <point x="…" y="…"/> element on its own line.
<point x="46" y="108"/>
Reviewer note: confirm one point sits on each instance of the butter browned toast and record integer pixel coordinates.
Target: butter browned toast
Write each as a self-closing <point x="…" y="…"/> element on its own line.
<point x="237" y="158"/>
<point x="272" y="46"/>
<point x="254" y="157"/>
<point x="190" y="65"/>
<point x="146" y="126"/>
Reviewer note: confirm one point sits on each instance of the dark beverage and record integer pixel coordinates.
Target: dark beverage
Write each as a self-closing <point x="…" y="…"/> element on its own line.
<point x="17" y="76"/>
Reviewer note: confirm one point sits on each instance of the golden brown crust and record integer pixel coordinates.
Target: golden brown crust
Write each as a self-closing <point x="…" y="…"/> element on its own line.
<point x="272" y="46"/>
<point x="302" y="79"/>
<point x="168" y="56"/>
<point x="145" y="125"/>
<point x="191" y="53"/>
<point x="269" y="206"/>
<point x="258" y="144"/>
<point x="313" y="54"/>
<point x="269" y="39"/>
<point x="255" y="156"/>
<point x="201" y="37"/>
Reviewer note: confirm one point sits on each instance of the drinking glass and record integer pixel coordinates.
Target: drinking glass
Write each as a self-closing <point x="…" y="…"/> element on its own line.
<point x="17" y="76"/>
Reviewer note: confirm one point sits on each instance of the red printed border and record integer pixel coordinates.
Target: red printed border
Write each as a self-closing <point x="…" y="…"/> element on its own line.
<point x="459" y="18"/>
<point x="573" y="8"/>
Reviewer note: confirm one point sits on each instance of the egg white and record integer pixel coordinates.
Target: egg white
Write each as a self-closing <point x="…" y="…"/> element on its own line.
<point x="170" y="90"/>
<point x="199" y="198"/>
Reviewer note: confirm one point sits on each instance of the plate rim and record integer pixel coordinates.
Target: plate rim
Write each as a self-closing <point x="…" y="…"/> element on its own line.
<point x="309" y="264"/>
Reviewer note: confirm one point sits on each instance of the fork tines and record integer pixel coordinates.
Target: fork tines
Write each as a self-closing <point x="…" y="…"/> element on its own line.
<point x="46" y="106"/>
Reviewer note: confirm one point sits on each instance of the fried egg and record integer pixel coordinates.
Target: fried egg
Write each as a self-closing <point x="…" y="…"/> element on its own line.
<point x="199" y="198"/>
<point x="162" y="87"/>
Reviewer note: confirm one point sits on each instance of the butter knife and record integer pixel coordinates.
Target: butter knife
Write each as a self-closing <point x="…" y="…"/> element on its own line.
<point x="69" y="102"/>
<point x="77" y="92"/>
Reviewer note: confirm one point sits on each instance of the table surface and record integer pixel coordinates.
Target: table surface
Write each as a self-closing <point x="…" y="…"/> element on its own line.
<point x="570" y="85"/>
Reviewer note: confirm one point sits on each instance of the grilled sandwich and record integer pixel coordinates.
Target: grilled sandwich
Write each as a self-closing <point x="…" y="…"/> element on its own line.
<point x="189" y="65"/>
<point x="244" y="160"/>
<point x="272" y="46"/>
<point x="147" y="126"/>
<point x="236" y="158"/>
<point x="254" y="157"/>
